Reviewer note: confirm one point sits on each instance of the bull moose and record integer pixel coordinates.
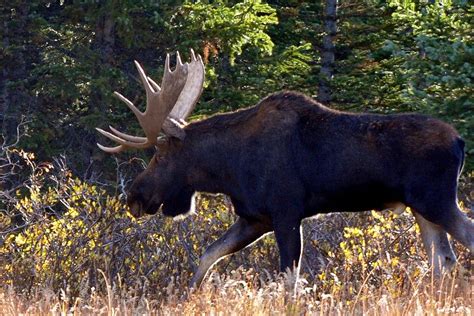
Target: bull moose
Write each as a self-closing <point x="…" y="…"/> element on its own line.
<point x="288" y="158"/>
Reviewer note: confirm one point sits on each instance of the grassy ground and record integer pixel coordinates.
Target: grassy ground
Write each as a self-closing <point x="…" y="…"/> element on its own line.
<point x="249" y="293"/>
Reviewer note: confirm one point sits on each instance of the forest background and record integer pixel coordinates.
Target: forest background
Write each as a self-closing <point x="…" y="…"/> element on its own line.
<point x="61" y="61"/>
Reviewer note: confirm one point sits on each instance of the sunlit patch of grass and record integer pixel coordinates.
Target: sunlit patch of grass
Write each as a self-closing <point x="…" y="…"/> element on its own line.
<point x="243" y="292"/>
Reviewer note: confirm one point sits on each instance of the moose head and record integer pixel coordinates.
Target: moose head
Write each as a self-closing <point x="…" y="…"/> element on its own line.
<point x="163" y="122"/>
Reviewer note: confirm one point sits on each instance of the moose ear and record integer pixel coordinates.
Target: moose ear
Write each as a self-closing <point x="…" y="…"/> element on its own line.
<point x="173" y="128"/>
<point x="161" y="147"/>
<point x="158" y="156"/>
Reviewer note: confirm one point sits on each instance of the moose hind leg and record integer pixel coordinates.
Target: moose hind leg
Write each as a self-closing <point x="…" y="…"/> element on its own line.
<point x="436" y="244"/>
<point x="241" y="234"/>
<point x="461" y="228"/>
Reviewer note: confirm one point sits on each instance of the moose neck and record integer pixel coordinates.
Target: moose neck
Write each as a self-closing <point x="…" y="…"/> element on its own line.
<point x="213" y="153"/>
<point x="210" y="170"/>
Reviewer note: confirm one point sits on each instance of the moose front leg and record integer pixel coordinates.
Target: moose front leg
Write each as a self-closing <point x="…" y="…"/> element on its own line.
<point x="289" y="239"/>
<point x="241" y="234"/>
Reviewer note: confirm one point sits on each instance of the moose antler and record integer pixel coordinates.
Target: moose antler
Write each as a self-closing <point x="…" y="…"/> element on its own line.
<point x="166" y="107"/>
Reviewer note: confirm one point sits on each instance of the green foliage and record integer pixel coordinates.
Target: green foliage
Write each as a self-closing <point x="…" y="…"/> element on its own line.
<point x="437" y="62"/>
<point x="228" y="29"/>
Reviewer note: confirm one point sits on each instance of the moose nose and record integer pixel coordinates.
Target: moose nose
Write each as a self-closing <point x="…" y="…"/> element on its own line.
<point x="135" y="208"/>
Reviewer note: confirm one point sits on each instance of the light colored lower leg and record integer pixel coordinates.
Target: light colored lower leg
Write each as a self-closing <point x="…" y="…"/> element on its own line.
<point x="437" y="245"/>
<point x="462" y="229"/>
<point x="396" y="207"/>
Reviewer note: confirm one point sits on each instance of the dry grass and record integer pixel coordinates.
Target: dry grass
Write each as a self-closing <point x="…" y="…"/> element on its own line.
<point x="249" y="293"/>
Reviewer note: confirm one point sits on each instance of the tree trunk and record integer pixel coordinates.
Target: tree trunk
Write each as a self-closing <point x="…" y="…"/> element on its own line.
<point x="103" y="44"/>
<point x="4" y="95"/>
<point x="15" y="99"/>
<point x="327" y="55"/>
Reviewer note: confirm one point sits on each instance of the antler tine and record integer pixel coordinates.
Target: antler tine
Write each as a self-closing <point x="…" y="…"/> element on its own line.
<point x="178" y="60"/>
<point x="143" y="78"/>
<point x="120" y="140"/>
<point x="154" y="85"/>
<point x="111" y="150"/>
<point x="109" y="135"/>
<point x="135" y="139"/>
<point x="129" y="103"/>
<point x="167" y="63"/>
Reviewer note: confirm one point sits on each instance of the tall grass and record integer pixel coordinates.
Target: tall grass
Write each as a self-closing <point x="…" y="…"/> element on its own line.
<point x="244" y="292"/>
